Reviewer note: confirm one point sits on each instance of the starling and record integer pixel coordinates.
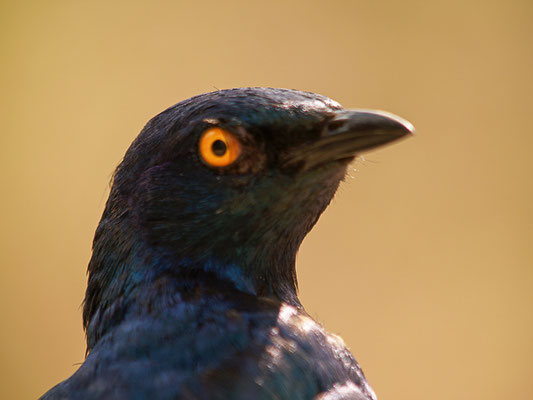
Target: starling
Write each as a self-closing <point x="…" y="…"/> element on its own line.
<point x="192" y="290"/>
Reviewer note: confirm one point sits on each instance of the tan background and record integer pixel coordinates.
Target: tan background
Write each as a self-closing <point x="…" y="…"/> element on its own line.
<point x="424" y="261"/>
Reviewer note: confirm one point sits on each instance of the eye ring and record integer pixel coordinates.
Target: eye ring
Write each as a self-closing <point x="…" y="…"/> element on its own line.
<point x="219" y="148"/>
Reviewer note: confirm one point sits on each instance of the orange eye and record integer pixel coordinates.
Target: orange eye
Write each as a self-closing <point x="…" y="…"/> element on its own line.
<point x="219" y="148"/>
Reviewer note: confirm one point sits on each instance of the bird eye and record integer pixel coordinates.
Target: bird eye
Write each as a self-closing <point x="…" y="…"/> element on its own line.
<point x="219" y="148"/>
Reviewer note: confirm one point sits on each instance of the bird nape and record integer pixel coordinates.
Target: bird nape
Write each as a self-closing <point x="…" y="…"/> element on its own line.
<point x="192" y="290"/>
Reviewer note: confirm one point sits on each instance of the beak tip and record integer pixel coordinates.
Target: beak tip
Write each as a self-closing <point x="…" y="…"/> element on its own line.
<point x="405" y="127"/>
<point x="409" y="128"/>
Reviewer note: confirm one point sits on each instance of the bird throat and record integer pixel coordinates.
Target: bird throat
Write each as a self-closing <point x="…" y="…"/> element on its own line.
<point x="127" y="274"/>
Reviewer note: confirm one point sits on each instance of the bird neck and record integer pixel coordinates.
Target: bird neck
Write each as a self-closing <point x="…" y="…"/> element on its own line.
<point x="125" y="272"/>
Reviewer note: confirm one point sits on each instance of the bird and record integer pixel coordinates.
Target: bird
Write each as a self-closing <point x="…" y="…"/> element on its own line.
<point x="192" y="288"/>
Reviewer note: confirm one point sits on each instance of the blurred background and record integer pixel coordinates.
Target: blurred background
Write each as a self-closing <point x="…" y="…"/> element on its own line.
<point x="424" y="261"/>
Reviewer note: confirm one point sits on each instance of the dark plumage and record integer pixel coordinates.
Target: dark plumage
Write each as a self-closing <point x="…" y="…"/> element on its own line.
<point x="192" y="285"/>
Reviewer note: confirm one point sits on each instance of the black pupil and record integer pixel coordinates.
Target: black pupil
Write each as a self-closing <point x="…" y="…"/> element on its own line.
<point x="219" y="148"/>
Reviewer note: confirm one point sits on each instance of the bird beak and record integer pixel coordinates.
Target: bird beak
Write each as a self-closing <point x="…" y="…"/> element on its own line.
<point x="349" y="133"/>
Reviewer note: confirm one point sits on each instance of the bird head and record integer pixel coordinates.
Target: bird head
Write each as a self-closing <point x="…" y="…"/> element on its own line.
<point x="230" y="181"/>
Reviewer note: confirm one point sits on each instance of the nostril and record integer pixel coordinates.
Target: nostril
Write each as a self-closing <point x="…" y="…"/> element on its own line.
<point x="336" y="124"/>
